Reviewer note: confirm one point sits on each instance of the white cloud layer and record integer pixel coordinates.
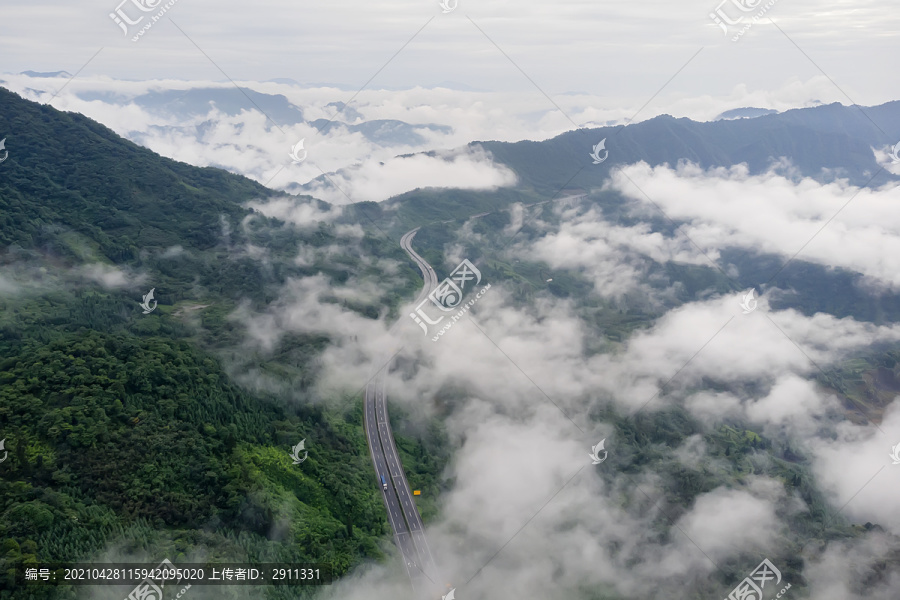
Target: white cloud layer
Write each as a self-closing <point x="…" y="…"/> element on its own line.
<point x="253" y="145"/>
<point x="771" y="213"/>
<point x="297" y="211"/>
<point x="514" y="450"/>
<point x="468" y="169"/>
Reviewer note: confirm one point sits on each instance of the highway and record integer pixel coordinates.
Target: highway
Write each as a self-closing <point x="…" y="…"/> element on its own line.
<point x="395" y="513"/>
<point x="428" y="273"/>
<point x="409" y="532"/>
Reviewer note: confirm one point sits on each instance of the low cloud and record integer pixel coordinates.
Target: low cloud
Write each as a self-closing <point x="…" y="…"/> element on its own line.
<point x="417" y="120"/>
<point x="520" y="473"/>
<point x="773" y="213"/>
<point x="839" y="570"/>
<point x="8" y="287"/>
<point x="856" y="470"/>
<point x="469" y="169"/>
<point x="110" y="276"/>
<point x="295" y="210"/>
<point x="172" y="251"/>
<point x="615" y="258"/>
<point x="725" y="523"/>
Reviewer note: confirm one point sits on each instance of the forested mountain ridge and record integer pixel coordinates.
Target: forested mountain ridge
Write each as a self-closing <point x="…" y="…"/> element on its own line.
<point x="822" y="142"/>
<point x="128" y="435"/>
<point x="65" y="169"/>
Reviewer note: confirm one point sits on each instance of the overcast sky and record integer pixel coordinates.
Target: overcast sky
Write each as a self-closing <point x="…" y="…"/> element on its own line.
<point x="615" y="49"/>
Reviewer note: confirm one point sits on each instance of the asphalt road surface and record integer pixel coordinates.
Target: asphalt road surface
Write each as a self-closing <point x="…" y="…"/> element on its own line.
<point x="409" y="532"/>
<point x="428" y="273"/>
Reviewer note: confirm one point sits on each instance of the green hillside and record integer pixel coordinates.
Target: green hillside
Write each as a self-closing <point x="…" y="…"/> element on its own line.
<point x="128" y="436"/>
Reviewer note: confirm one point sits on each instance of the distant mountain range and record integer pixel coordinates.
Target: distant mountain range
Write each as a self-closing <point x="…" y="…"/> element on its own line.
<point x="186" y="106"/>
<point x="745" y="113"/>
<point x="823" y="142"/>
<point x="49" y="74"/>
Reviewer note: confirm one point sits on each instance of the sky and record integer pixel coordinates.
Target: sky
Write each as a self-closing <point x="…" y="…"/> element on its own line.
<point x="611" y="49"/>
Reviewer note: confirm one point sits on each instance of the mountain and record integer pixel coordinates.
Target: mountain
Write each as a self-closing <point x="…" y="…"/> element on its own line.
<point x="821" y="142"/>
<point x="385" y="132"/>
<point x="591" y="232"/>
<point x="65" y="74"/>
<point x="186" y="105"/>
<point x="346" y="113"/>
<point x="745" y="113"/>
<point x="129" y="433"/>
<point x="284" y="80"/>
<point x="120" y="196"/>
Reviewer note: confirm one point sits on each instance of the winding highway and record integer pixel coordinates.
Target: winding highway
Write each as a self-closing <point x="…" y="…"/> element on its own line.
<point x="409" y="532"/>
<point x="428" y="273"/>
